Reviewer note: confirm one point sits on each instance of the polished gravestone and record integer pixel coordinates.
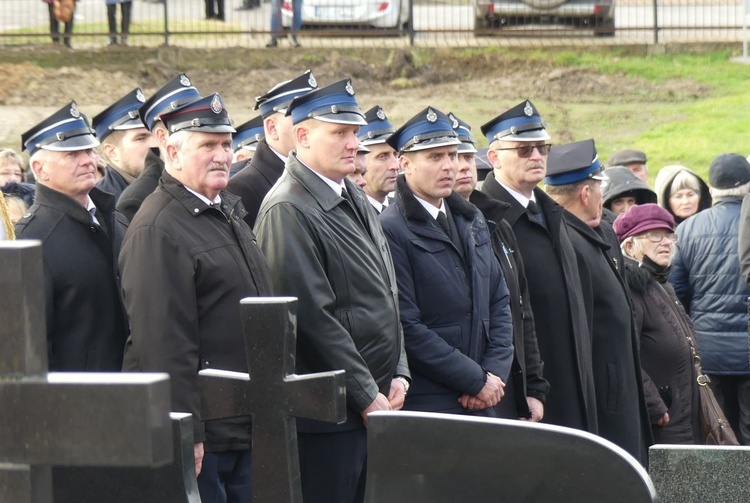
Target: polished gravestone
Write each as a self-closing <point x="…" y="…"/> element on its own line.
<point x="700" y="473"/>
<point x="68" y="419"/>
<point x="273" y="395"/>
<point x="420" y="457"/>
<point x="173" y="483"/>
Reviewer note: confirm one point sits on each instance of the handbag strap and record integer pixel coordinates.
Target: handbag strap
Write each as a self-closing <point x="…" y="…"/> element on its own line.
<point x="702" y="378"/>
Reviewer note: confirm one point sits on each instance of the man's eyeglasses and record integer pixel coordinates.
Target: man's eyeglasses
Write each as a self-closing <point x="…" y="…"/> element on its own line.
<point x="657" y="237"/>
<point x="526" y="150"/>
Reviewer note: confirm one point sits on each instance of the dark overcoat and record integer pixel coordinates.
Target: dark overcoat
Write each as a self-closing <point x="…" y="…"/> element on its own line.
<point x="185" y="267"/>
<point x="453" y="302"/>
<point x="133" y="195"/>
<point x="620" y="403"/>
<point x="666" y="358"/>
<point x="113" y="182"/>
<point x="342" y="273"/>
<point x="557" y="303"/>
<point x="254" y="181"/>
<point x="527" y="371"/>
<point x="86" y="323"/>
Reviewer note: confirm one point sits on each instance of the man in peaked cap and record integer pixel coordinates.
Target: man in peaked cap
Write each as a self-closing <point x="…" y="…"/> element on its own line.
<point x="187" y="260"/>
<point x="360" y="167"/>
<point x="525" y="389"/>
<point x="125" y="142"/>
<point x="267" y="164"/>
<point x="518" y="153"/>
<point x="446" y="269"/>
<point x="245" y="142"/>
<point x="172" y="95"/>
<point x="325" y="247"/>
<point x="382" y="165"/>
<point x="574" y="180"/>
<point x="81" y="234"/>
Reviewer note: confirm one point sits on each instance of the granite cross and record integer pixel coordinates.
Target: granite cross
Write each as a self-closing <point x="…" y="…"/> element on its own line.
<point x="68" y="419"/>
<point x="273" y="395"/>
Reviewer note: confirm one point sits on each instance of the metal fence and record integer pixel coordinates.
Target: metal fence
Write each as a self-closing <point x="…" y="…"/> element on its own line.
<point x="388" y="23"/>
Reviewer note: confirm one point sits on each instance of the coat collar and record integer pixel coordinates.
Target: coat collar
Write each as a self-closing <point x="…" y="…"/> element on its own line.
<point x="192" y="204"/>
<point x="326" y="198"/>
<point x="267" y="163"/>
<point x="46" y="196"/>
<point x="494" y="210"/>
<point x="584" y="230"/>
<point x="414" y="211"/>
<point x="551" y="210"/>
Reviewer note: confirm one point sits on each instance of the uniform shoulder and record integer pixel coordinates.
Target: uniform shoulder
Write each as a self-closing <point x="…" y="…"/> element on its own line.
<point x="38" y="223"/>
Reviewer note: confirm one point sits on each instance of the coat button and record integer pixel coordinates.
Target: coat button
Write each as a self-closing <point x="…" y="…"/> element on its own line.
<point x="93" y="229"/>
<point x="195" y="210"/>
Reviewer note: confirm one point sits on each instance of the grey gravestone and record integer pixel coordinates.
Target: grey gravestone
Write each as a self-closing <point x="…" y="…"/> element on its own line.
<point x="418" y="457"/>
<point x="174" y="483"/>
<point x="700" y="473"/>
<point x="69" y="419"/>
<point x="273" y="395"/>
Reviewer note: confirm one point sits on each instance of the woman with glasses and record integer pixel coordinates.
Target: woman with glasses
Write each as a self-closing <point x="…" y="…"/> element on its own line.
<point x="646" y="234"/>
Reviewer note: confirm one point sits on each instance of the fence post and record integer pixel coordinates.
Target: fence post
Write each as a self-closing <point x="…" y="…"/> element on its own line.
<point x="744" y="29"/>
<point x="166" y="23"/>
<point x="656" y="23"/>
<point x="410" y="26"/>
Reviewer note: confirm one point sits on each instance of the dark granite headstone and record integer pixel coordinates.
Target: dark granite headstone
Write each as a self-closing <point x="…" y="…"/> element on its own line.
<point x="173" y="483"/>
<point x="441" y="458"/>
<point x="273" y="395"/>
<point x="700" y="473"/>
<point x="68" y="419"/>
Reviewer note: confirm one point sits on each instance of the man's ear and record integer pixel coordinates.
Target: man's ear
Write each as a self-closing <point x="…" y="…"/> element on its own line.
<point x="405" y="164"/>
<point x="173" y="157"/>
<point x="269" y="127"/>
<point x="111" y="153"/>
<point x="492" y="156"/>
<point x="37" y="167"/>
<point x="301" y="137"/>
<point x="161" y="135"/>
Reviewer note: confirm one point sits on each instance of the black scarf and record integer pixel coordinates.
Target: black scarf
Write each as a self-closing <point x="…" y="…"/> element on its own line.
<point x="659" y="272"/>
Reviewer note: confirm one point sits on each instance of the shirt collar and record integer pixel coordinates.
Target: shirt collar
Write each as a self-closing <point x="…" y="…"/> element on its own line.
<point x="336" y="187"/>
<point x="282" y="157"/>
<point x="203" y="198"/>
<point x="90" y="204"/>
<point x="434" y="212"/>
<point x="517" y="195"/>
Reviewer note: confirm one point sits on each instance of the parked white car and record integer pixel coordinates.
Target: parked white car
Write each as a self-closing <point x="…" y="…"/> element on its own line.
<point x="596" y="15"/>
<point x="392" y="14"/>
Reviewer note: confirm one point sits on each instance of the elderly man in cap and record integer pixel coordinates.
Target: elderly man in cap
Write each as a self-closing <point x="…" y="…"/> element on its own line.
<point x="187" y="260"/>
<point x="525" y="389"/>
<point x="382" y="165"/>
<point x="325" y="246"/>
<point x="518" y="153"/>
<point x="709" y="276"/>
<point x="267" y="164"/>
<point x="125" y="142"/>
<point x="81" y="235"/>
<point x="173" y="94"/>
<point x="245" y="143"/>
<point x="574" y="180"/>
<point x="453" y="299"/>
<point x="634" y="160"/>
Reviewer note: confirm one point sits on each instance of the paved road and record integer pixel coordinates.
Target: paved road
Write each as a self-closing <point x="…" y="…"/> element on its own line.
<point x="634" y="23"/>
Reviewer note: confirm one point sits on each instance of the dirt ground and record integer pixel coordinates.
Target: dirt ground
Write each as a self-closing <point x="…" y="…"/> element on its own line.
<point x="474" y="84"/>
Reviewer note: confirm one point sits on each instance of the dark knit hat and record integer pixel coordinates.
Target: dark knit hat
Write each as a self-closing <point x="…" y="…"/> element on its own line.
<point x="642" y="218"/>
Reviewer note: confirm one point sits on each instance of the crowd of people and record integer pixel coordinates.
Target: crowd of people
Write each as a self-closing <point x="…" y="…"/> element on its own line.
<point x="581" y="304"/>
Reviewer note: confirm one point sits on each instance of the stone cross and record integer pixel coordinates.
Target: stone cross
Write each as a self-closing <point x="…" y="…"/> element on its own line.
<point x="69" y="419"/>
<point x="273" y="395"/>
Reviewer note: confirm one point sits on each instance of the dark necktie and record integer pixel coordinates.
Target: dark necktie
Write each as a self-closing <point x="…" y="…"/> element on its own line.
<point x="535" y="212"/>
<point x="442" y="219"/>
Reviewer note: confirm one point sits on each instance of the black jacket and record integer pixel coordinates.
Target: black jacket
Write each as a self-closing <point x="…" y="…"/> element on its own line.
<point x="86" y="323"/>
<point x="527" y="370"/>
<point x="669" y="379"/>
<point x="453" y="302"/>
<point x="113" y="182"/>
<point x="134" y="194"/>
<point x="254" y="181"/>
<point x="558" y="306"/>
<point x="185" y="267"/>
<point x="620" y="403"/>
<point x="343" y="276"/>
